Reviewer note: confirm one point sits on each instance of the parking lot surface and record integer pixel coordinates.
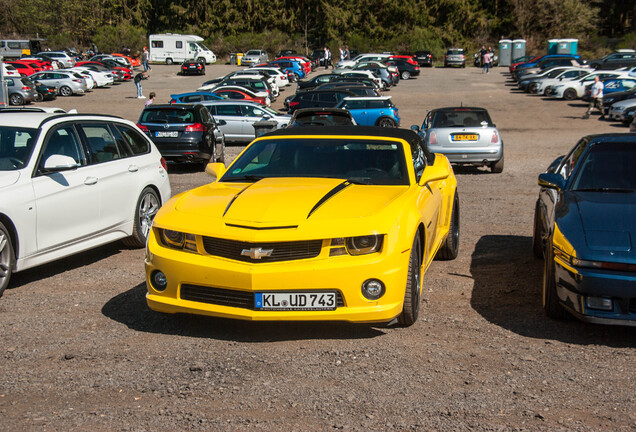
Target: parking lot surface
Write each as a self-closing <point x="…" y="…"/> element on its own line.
<point x="80" y="350"/>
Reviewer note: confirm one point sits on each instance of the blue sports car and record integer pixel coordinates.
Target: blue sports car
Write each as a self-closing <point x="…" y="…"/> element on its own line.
<point x="372" y="110"/>
<point x="585" y="228"/>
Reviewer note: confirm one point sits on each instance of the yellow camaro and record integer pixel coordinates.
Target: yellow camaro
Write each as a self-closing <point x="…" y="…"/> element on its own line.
<point x="310" y="223"/>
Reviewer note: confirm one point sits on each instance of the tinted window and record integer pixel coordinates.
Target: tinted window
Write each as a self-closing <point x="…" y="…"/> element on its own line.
<point x="131" y="138"/>
<point x="230" y="110"/>
<point x="16" y="145"/>
<point x="607" y="166"/>
<point x="102" y="146"/>
<point x="179" y="44"/>
<point x="156" y="44"/>
<point x="460" y="118"/>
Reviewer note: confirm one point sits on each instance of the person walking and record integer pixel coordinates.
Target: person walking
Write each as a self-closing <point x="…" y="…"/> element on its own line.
<point x="137" y="80"/>
<point x="151" y="98"/>
<point x="486" y="59"/>
<point x="597" y="98"/>
<point x="145" y="59"/>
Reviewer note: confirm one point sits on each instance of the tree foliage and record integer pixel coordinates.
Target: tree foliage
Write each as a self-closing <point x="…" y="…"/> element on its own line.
<point x="236" y="25"/>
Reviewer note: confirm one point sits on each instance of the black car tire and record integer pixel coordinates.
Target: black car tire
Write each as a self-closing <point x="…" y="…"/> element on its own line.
<point x="406" y="75"/>
<point x="219" y="152"/>
<point x="386" y="122"/>
<point x="201" y="60"/>
<point x="498" y="166"/>
<point x="532" y="87"/>
<point x="169" y="61"/>
<point x="39" y="97"/>
<point x="551" y="305"/>
<point x="537" y="242"/>
<point x="7" y="258"/>
<point x="16" y="99"/>
<point x="66" y="91"/>
<point x="145" y="211"/>
<point x="450" y="248"/>
<point x="411" y="306"/>
<point x="569" y="94"/>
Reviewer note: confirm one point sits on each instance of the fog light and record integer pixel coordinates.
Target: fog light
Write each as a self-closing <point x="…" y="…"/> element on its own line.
<point x="599" y="303"/>
<point x="373" y="289"/>
<point x="158" y="280"/>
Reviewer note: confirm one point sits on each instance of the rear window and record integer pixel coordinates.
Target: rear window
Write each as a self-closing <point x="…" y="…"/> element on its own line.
<point x="167" y="115"/>
<point x="461" y="118"/>
<point x="455" y="51"/>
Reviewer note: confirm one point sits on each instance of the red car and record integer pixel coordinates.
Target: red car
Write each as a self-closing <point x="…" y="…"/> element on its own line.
<point x="407" y="58"/>
<point x="236" y="94"/>
<point x="513" y="67"/>
<point x="125" y="72"/>
<point x="24" y="68"/>
<point x="305" y="62"/>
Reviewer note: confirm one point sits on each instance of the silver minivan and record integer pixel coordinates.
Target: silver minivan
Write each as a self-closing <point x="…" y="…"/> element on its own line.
<point x="240" y="117"/>
<point x="67" y="83"/>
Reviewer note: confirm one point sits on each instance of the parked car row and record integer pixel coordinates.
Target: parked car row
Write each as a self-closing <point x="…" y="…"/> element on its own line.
<point x="569" y="78"/>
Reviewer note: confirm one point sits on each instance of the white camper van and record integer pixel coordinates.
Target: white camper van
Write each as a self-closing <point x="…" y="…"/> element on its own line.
<point x="172" y="47"/>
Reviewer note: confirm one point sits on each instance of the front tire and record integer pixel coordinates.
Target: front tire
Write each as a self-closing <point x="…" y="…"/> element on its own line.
<point x="66" y="91"/>
<point x="145" y="211"/>
<point x="450" y="248"/>
<point x="537" y="241"/>
<point x="569" y="94"/>
<point x="16" y="99"/>
<point x="411" y="307"/>
<point x="7" y="258"/>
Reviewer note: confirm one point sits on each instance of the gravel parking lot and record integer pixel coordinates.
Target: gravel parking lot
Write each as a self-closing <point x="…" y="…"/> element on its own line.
<point x="80" y="350"/>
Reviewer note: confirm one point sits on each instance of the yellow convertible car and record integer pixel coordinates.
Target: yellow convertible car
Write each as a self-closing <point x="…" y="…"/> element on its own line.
<point x="310" y="223"/>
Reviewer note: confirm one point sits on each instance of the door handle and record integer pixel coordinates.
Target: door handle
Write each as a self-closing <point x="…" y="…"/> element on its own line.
<point x="133" y="168"/>
<point x="90" y="180"/>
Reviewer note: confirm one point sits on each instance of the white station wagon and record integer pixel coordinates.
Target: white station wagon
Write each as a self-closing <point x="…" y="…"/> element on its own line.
<point x="71" y="182"/>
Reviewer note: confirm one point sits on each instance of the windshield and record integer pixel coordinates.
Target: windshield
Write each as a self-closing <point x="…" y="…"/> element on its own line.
<point x="16" y="146"/>
<point x="607" y="167"/>
<point x="202" y="47"/>
<point x="363" y="161"/>
<point x="253" y="53"/>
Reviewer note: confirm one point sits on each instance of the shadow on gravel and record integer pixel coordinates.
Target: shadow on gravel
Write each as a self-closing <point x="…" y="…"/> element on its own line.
<point x="470" y="170"/>
<point x="130" y="308"/>
<point x="184" y="168"/>
<point x="85" y="258"/>
<point x="507" y="292"/>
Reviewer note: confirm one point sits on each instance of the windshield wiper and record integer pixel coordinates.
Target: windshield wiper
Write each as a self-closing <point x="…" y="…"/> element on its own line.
<point x="248" y="177"/>
<point x="606" y="189"/>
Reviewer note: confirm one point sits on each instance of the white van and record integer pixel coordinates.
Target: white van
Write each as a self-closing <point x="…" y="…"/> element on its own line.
<point x="172" y="47"/>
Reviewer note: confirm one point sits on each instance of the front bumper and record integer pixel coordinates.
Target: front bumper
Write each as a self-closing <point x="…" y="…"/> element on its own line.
<point x="344" y="274"/>
<point x="575" y="285"/>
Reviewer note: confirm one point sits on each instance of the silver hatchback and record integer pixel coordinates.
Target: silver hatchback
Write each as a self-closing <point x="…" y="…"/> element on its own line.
<point x="67" y="83"/>
<point x="465" y="135"/>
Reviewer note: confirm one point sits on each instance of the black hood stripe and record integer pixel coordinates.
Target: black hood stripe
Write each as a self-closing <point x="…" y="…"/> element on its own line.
<point x="328" y="195"/>
<point x="235" y="197"/>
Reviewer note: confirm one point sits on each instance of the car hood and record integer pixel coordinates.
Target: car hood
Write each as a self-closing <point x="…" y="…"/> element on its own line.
<point x="7" y="178"/>
<point x="599" y="225"/>
<point x="275" y="204"/>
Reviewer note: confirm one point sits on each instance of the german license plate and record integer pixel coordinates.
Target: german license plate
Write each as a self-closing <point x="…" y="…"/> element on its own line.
<point x="167" y="134"/>
<point x="295" y="301"/>
<point x="192" y="67"/>
<point x="464" y="137"/>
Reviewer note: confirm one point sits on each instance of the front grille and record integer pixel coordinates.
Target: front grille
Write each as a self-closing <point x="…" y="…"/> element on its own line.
<point x="226" y="297"/>
<point x="632" y="305"/>
<point x="281" y="251"/>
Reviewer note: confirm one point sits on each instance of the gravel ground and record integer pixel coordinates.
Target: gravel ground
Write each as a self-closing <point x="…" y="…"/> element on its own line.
<point x="80" y="350"/>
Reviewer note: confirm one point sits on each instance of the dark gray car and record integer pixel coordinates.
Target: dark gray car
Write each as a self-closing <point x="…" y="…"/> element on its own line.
<point x="21" y="91"/>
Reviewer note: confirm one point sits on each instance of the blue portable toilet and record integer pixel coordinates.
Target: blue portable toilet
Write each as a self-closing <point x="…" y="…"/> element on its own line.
<point x="553" y="45"/>
<point x="518" y="48"/>
<point x="568" y="46"/>
<point x="505" y="52"/>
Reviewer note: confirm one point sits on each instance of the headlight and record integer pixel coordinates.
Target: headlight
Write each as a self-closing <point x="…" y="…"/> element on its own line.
<point x="179" y="240"/>
<point x="173" y="238"/>
<point x="363" y="245"/>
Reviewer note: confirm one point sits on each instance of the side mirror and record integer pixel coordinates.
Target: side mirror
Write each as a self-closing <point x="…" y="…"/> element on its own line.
<point x="551" y="181"/>
<point x="57" y="163"/>
<point x="415" y="128"/>
<point x="440" y="170"/>
<point x="221" y="122"/>
<point x="215" y="170"/>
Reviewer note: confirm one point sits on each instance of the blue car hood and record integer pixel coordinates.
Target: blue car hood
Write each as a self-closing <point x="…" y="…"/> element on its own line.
<point x="608" y="220"/>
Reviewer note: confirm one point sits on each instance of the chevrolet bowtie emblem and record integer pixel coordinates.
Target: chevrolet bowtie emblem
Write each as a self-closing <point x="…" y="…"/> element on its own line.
<point x="257" y="253"/>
